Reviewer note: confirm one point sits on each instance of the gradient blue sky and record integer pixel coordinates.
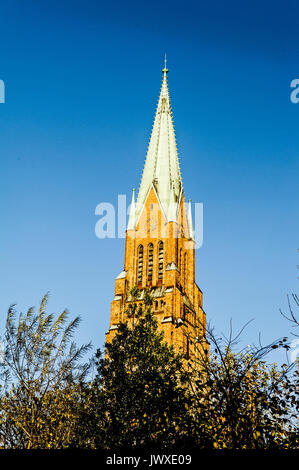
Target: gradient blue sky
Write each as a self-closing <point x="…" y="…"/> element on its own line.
<point x="82" y="81"/>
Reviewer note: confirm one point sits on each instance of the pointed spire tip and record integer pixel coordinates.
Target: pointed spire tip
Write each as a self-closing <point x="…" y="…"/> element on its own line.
<point x="165" y="70"/>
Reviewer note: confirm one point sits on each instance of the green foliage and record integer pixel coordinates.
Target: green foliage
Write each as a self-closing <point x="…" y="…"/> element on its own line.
<point x="143" y="394"/>
<point x="143" y="388"/>
<point x="240" y="402"/>
<point x="41" y="375"/>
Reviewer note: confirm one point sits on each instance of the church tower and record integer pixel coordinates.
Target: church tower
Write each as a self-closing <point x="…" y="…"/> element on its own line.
<point x="160" y="245"/>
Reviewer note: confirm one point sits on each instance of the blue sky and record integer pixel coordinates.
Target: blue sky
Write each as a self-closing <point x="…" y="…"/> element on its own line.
<point x="82" y="81"/>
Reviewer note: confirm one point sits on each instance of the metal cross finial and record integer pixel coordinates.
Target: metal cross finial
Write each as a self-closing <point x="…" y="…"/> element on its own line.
<point x="165" y="70"/>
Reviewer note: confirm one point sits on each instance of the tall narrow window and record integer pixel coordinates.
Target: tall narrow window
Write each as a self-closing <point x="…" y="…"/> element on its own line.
<point x="182" y="267"/>
<point x="161" y="260"/>
<point x="185" y="270"/>
<point x="180" y="261"/>
<point x="150" y="262"/>
<point x="140" y="264"/>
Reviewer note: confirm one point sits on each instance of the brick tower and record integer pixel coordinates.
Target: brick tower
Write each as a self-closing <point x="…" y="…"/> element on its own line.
<point x="160" y="246"/>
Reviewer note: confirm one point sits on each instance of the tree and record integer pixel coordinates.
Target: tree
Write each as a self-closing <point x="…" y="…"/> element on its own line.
<point x="141" y="387"/>
<point x="41" y="377"/>
<point x="241" y="402"/>
<point x="144" y="395"/>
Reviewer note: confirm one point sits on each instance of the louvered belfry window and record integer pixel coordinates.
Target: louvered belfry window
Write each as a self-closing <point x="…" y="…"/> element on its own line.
<point x="161" y="257"/>
<point x="140" y="264"/>
<point x="150" y="262"/>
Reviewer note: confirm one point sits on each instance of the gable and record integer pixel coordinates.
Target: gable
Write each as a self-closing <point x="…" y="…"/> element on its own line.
<point x="152" y="218"/>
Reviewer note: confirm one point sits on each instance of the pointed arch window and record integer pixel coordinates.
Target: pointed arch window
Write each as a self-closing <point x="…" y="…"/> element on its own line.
<point x="150" y="262"/>
<point x="140" y="264"/>
<point x="161" y="260"/>
<point x="185" y="270"/>
<point x="180" y="260"/>
<point x="181" y="267"/>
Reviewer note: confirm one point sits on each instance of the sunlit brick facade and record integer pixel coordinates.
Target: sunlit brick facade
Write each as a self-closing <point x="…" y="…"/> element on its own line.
<point x="160" y="247"/>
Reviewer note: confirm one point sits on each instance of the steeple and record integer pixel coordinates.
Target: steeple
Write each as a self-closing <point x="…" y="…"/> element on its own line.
<point x="160" y="247"/>
<point x="162" y="164"/>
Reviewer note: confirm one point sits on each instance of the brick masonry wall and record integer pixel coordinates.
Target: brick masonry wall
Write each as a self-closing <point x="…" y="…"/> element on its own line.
<point x="178" y="284"/>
